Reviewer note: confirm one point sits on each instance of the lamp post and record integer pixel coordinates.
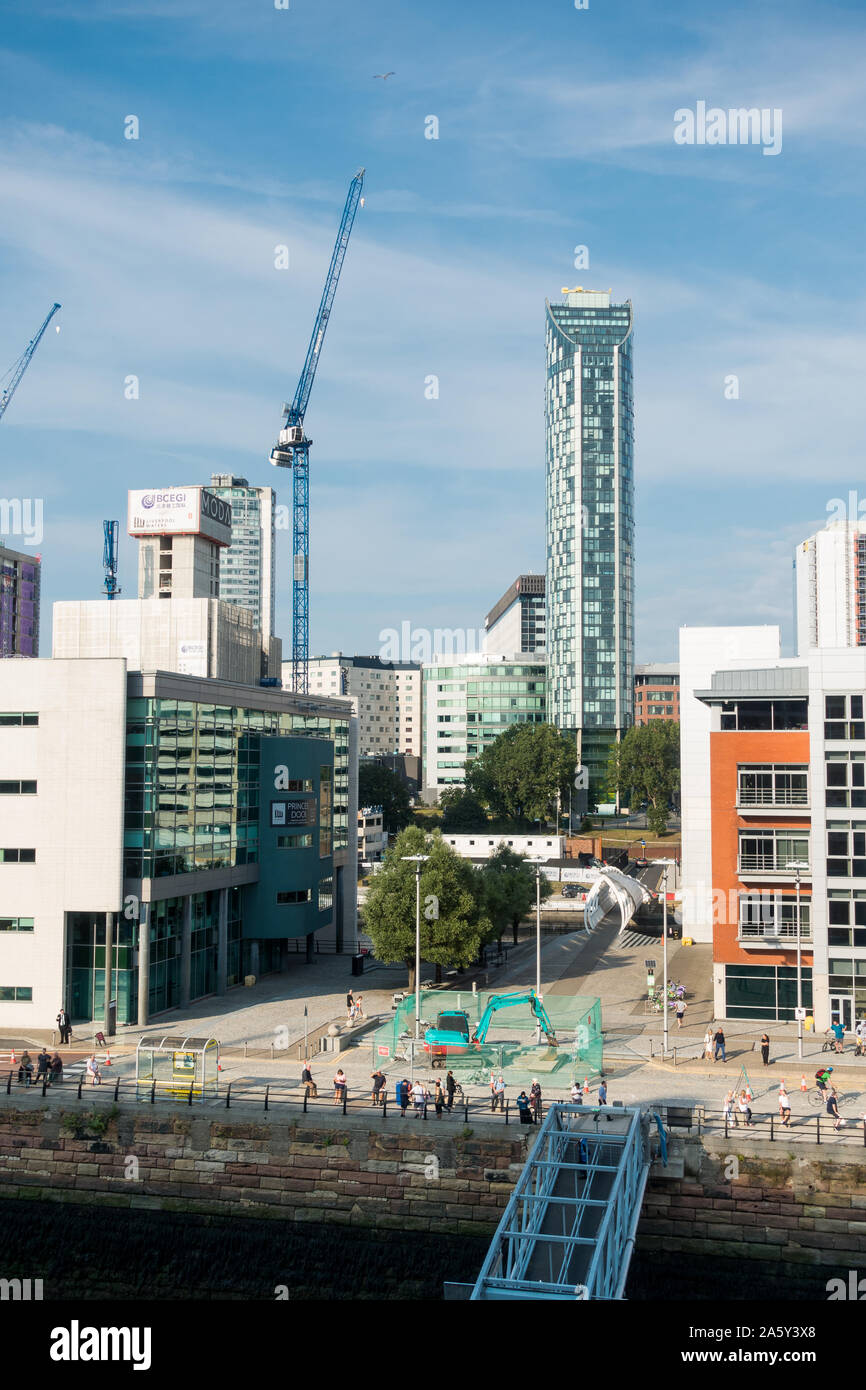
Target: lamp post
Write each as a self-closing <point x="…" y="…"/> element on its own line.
<point x="537" y="863"/>
<point x="665" y="958"/>
<point x="797" y="868"/>
<point x="417" y="860"/>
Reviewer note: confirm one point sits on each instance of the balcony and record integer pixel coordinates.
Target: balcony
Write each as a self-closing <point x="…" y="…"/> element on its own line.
<point x="759" y="865"/>
<point x="781" y="935"/>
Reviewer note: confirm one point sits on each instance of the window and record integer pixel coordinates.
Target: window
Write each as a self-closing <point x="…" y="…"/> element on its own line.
<point x="10" y="719"/>
<point x="17" y="788"/>
<point x="843" y="716"/>
<point x="772" y="784"/>
<point x="19" y="994"/>
<point x="326" y="894"/>
<point x="16" y="924"/>
<point x="772" y="915"/>
<point x="294" y="842"/>
<point x="295" y="895"/>
<point x="772" y="850"/>
<point x="17" y="856"/>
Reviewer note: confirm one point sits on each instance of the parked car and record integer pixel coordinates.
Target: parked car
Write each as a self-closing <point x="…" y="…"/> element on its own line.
<point x="571" y="890"/>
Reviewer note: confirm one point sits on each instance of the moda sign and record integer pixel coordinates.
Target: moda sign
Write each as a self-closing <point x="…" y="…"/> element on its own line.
<point x="186" y="511"/>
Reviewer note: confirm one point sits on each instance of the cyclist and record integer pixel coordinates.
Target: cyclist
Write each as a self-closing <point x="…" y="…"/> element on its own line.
<point x="822" y="1078"/>
<point x="839" y="1034"/>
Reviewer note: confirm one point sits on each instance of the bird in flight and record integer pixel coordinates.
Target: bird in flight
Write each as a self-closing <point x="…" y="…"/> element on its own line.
<point x="384" y="75"/>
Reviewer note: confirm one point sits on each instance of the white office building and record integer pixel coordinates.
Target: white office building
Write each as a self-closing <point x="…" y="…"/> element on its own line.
<point x="386" y="696"/>
<point x="830" y="587"/>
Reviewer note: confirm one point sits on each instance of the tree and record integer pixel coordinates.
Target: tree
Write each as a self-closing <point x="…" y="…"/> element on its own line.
<point x="646" y="765"/>
<point x="519" y="775"/>
<point x="510" y="889"/>
<point x="379" y="786"/>
<point x="454" y="920"/>
<point x="461" y="810"/>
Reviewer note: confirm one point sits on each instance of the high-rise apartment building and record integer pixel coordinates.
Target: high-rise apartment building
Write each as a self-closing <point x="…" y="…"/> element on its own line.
<point x="19" y="603"/>
<point x="247" y="567"/>
<point x="830" y="587"/>
<point x="517" y="622"/>
<point x="590" y="520"/>
<point x="386" y="696"/>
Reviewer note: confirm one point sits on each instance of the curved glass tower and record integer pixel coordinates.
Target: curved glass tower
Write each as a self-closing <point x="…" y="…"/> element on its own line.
<point x="589" y="417"/>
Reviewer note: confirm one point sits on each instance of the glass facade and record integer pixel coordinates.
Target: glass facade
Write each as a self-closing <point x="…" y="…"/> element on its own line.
<point x="19" y="603"/>
<point x="192" y="783"/>
<point x="467" y="707"/>
<point x="590" y="516"/>
<point x="765" y="991"/>
<point x="85" y="967"/>
<point x="247" y="566"/>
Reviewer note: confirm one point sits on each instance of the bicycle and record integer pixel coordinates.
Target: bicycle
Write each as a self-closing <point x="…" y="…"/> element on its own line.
<point x="818" y="1097"/>
<point x="829" y="1043"/>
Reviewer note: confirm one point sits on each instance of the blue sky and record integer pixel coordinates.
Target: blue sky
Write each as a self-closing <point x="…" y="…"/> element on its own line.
<point x="555" y="130"/>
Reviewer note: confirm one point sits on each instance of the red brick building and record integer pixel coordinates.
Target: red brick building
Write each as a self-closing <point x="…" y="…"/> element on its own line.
<point x="656" y="692"/>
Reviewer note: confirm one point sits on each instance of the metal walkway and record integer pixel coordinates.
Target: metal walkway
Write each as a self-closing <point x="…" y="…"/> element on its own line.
<point x="568" y="1230"/>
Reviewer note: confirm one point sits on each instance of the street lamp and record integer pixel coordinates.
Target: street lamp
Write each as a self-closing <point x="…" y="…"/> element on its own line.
<point x="417" y="860"/>
<point x="665" y="958"/>
<point x="537" y="863"/>
<point x="797" y="867"/>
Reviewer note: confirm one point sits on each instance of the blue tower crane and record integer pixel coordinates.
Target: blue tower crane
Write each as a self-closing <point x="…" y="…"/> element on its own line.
<point x="292" y="449"/>
<point x="111" y="588"/>
<point x="18" y="369"/>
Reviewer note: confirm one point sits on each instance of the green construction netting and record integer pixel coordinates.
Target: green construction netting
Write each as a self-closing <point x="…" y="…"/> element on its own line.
<point x="510" y="1046"/>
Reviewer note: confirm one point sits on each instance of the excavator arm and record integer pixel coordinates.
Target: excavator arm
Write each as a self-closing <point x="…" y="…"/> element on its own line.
<point x="505" y="1001"/>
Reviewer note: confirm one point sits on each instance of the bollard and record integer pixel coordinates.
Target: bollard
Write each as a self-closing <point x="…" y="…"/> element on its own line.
<point x="727" y="1117"/>
<point x="189" y="1101"/>
<point x="80" y="1084"/>
<point x="9" y="1085"/>
<point x="306" y="1093"/>
<point x="267" y="1093"/>
<point x="818" y="1128"/>
<point x="424" y="1113"/>
<point x="384" y="1105"/>
<point x="116" y="1087"/>
<point x="229" y="1096"/>
<point x="465" y="1111"/>
<point x="345" y="1098"/>
<point x="506" y="1111"/>
<point x="44" y="1082"/>
<point x="152" y="1091"/>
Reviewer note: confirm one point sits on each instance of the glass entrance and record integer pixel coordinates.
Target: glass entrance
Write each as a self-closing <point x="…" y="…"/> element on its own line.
<point x="842" y="1010"/>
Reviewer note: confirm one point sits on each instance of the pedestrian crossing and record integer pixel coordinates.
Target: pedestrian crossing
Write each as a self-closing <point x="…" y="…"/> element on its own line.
<point x="628" y="939"/>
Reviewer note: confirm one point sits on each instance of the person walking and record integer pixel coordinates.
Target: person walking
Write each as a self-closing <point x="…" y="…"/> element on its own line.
<point x="403" y="1097"/>
<point x="450" y="1087"/>
<point x="719" y="1044"/>
<point x="576" y="1093"/>
<point x="340" y="1087"/>
<point x="784" y="1106"/>
<point x="350" y="1006"/>
<point x="602" y="1092"/>
<point x="43" y="1064"/>
<point x="839" y="1035"/>
<point x="680" y="1011"/>
<point x="498" y="1089"/>
<point x="728" y="1112"/>
<point x="64" y="1027"/>
<point x="438" y="1099"/>
<point x="535" y="1099"/>
<point x="745" y="1110"/>
<point x="765" y="1048"/>
<point x="93" y="1070"/>
<point x="860" y="1038"/>
<point x="708" y="1043"/>
<point x="377" y="1077"/>
<point x="359" y="1007"/>
<point x="309" y="1085"/>
<point x="525" y="1109"/>
<point x="418" y="1098"/>
<point x="833" y="1108"/>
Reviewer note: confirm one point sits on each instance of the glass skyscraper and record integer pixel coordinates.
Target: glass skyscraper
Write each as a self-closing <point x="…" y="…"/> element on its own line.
<point x="19" y="603"/>
<point x="247" y="566"/>
<point x="590" y="521"/>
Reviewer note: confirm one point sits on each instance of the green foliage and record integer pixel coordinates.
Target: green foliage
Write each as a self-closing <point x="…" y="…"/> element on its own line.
<point x="646" y="765"/>
<point x="461" y="810"/>
<point x="454" y="921"/>
<point x="519" y="775"/>
<point x="90" y="1124"/>
<point x="379" y="786"/>
<point x="510" y="889"/>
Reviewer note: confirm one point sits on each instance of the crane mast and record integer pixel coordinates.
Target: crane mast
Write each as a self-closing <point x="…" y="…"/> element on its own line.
<point x="110" y="587"/>
<point x="23" y="362"/>
<point x="292" y="449"/>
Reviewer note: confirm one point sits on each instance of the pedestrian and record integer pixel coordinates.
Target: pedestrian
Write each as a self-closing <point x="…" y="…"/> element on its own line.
<point x="418" y="1098"/>
<point x="745" y="1111"/>
<point x="860" y="1036"/>
<point x="719" y="1044"/>
<point x="728" y="1109"/>
<point x="450" y="1087"/>
<point x="43" y="1063"/>
<point x="784" y="1106"/>
<point x="340" y="1086"/>
<point x="377" y="1077"/>
<point x="765" y="1048"/>
<point x="25" y="1069"/>
<point x="524" y="1109"/>
<point x="64" y="1026"/>
<point x="439" y="1099"/>
<point x="403" y="1097"/>
<point x="535" y="1098"/>
<point x="359" y="1007"/>
<point x="309" y="1085"/>
<point x="350" y="1006"/>
<point x="56" y="1068"/>
<point x="708" y="1043"/>
<point x="833" y="1108"/>
<point x="93" y="1070"/>
<point x="576" y="1093"/>
<point x="839" y="1034"/>
<point x="602" y="1092"/>
<point x="498" y="1089"/>
<point x="680" y="1011"/>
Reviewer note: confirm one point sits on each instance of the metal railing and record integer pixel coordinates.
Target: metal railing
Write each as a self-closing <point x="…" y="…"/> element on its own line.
<point x="773" y="931"/>
<point x="779" y="796"/>
<point x="770" y="863"/>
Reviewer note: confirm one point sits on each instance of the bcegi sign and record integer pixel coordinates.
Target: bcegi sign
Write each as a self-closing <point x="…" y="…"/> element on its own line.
<point x="189" y="511"/>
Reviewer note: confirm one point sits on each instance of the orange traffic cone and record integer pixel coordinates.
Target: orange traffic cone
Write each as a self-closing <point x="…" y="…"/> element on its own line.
<point x="107" y="1058"/>
<point x="13" y="1058"/>
<point x="586" y="1085"/>
<point x="749" y="1095"/>
<point x="803" y="1086"/>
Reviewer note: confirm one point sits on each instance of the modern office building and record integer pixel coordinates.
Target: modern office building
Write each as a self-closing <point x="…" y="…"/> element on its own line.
<point x="469" y="701"/>
<point x="19" y="603"/>
<point x="164" y="836"/>
<point x="517" y="622"/>
<point x="386" y="697"/>
<point x="656" y="692"/>
<point x="590" y="521"/>
<point x="247" y="576"/>
<point x="178" y="622"/>
<point x="830" y="587"/>
<point x="774" y="816"/>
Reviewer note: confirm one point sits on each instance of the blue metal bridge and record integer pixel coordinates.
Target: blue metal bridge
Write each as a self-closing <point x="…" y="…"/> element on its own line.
<point x="568" y="1231"/>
